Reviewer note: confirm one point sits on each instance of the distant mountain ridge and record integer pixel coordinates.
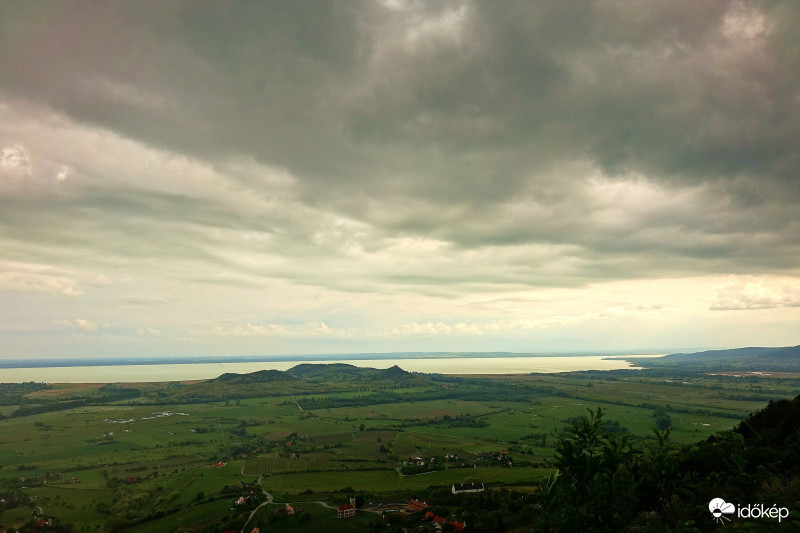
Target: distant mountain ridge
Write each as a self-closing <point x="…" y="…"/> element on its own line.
<point x="339" y="372"/>
<point x="314" y="372"/>
<point x="754" y="359"/>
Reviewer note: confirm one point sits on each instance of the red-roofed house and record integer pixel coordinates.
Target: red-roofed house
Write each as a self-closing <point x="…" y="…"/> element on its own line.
<point x="458" y="526"/>
<point x="436" y="519"/>
<point x="416" y="505"/>
<point x="347" y="510"/>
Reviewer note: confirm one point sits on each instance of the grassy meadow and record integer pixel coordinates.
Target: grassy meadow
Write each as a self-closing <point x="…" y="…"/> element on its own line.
<point x="148" y="460"/>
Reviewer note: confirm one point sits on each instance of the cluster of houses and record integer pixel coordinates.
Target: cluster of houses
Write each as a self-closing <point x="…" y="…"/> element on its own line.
<point x="348" y="510"/>
<point x="419" y="461"/>
<point x="499" y="458"/>
<point x="438" y="522"/>
<point x="415" y="506"/>
<point x="493" y="458"/>
<point x="249" y="496"/>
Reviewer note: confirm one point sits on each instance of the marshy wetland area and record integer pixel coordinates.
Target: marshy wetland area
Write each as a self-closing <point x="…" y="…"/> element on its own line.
<point x="282" y="450"/>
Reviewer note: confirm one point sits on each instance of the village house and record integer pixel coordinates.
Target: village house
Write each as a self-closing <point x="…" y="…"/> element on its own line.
<point x="461" y="488"/>
<point x="347" y="510"/>
<point x="416" y="505"/>
<point x="438" y="522"/>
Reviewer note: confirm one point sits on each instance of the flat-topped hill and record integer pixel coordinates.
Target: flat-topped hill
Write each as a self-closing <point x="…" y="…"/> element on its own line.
<point x="341" y="372"/>
<point x="260" y="376"/>
<point x="297" y="380"/>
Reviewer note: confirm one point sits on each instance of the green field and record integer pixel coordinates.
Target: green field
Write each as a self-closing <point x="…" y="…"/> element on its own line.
<point x="381" y="480"/>
<point x="148" y="463"/>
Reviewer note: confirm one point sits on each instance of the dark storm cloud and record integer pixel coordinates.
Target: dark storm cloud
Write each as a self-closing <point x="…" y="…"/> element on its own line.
<point x="477" y="124"/>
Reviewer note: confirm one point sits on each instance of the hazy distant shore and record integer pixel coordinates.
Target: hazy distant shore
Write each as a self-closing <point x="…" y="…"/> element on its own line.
<point x="199" y="368"/>
<point x="189" y="360"/>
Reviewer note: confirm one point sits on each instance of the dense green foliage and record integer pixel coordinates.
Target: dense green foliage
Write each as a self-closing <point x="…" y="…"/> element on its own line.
<point x="13" y="393"/>
<point x="614" y="482"/>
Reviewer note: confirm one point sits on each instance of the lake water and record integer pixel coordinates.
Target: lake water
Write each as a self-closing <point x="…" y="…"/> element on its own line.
<point x="443" y="365"/>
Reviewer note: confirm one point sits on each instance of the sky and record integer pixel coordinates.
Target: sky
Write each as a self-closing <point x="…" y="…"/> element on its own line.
<point x="238" y="178"/>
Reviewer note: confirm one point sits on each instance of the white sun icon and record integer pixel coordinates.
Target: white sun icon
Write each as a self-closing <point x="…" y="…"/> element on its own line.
<point x="719" y="508"/>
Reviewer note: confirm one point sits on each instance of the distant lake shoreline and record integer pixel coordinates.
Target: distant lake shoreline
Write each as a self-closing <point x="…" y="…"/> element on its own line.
<point x="198" y="368"/>
<point x="189" y="360"/>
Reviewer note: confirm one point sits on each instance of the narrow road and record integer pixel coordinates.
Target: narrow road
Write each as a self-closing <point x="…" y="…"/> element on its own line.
<point x="269" y="500"/>
<point x="325" y="505"/>
<point x="420" y="474"/>
<point x="297" y="404"/>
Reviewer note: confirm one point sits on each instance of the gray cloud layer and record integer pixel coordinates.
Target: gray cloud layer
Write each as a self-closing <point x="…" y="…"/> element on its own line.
<point x="440" y="119"/>
<point x="428" y="147"/>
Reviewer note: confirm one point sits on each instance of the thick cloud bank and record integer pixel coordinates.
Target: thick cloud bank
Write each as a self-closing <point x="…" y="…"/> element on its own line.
<point x="397" y="175"/>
